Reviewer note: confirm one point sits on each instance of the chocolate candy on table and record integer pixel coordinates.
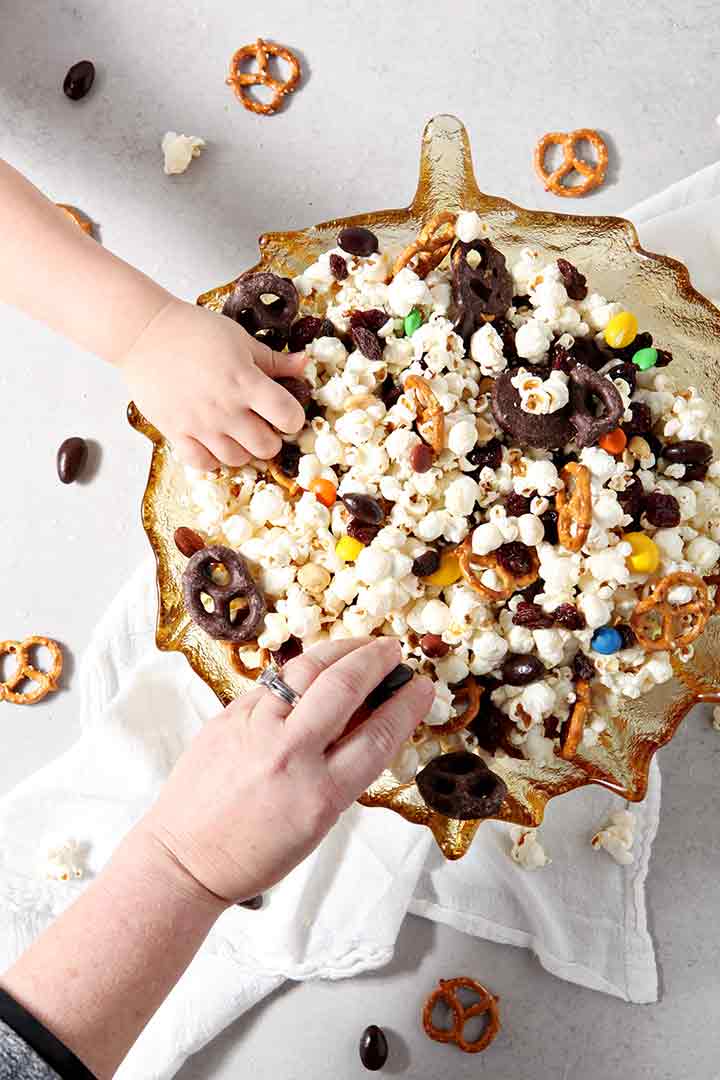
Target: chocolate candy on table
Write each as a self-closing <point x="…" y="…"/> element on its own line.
<point x="357" y="240"/>
<point x="198" y="581"/>
<point x="79" y="80"/>
<point x="71" y="459"/>
<point x="373" y="1048"/>
<point x="364" y="508"/>
<point x="479" y="292"/>
<point x="519" y="669"/>
<point x="586" y="384"/>
<point x="687" y="452"/>
<point x="390" y="685"/>
<point x="542" y="431"/>
<point x="459" y="785"/>
<point x="187" y="541"/>
<point x="246" y="305"/>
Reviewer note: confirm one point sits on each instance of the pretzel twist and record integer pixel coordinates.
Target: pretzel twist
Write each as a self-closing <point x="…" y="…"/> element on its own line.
<point x="241" y="80"/>
<point x="510" y="582"/>
<point x="593" y="173"/>
<point x="577" y="509"/>
<point x="430" y="246"/>
<point x="233" y="649"/>
<point x="45" y="680"/>
<point x="429" y="411"/>
<point x="487" y="1005"/>
<point x="657" y="605"/>
<point x="291" y="485"/>
<point x="470" y="692"/>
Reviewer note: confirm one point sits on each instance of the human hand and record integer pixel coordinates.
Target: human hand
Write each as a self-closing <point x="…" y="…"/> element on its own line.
<point x="262" y="784"/>
<point x="208" y="386"/>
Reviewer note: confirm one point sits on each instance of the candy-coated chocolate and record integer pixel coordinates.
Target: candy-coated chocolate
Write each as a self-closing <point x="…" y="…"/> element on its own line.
<point x="645" y="358"/>
<point x="645" y="555"/>
<point x="413" y="320"/>
<point x="622" y="330"/>
<point x="348" y="549"/>
<point x="607" y="640"/>
<point x="447" y="573"/>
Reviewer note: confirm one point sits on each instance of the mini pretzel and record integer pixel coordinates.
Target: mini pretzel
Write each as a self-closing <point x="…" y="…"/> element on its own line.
<point x="577" y="509"/>
<point x="446" y="992"/>
<point x="594" y="173"/>
<point x="510" y="584"/>
<point x="240" y="80"/>
<point x="77" y="217"/>
<point x="429" y="411"/>
<point x="468" y="691"/>
<point x="281" y="478"/>
<point x="656" y="604"/>
<point x="233" y="649"/>
<point x="45" y="680"/>
<point x="575" y="725"/>
<point x="430" y="246"/>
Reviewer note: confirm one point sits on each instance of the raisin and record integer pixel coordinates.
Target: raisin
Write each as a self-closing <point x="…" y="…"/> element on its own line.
<point x="663" y="358"/>
<point x="368" y="343"/>
<point x="287" y="651"/>
<point x="488" y="456"/>
<point x="661" y="510"/>
<point x="641" y="420"/>
<point x="531" y="591"/>
<point x="373" y="319"/>
<point x="561" y="359"/>
<point x="627" y="634"/>
<point x="426" y="564"/>
<point x="421" y="457"/>
<point x="568" y="617"/>
<point x="549" y="520"/>
<point x="695" y="472"/>
<point x="641" y="341"/>
<point x="300" y="389"/>
<point x="552" y="726"/>
<point x="515" y="557"/>
<point x="521" y="301"/>
<point x="631" y="499"/>
<point x="362" y="531"/>
<point x="625" y="371"/>
<point x="507" y="332"/>
<point x="338" y="267"/>
<point x="390" y="392"/>
<point x="531" y="616"/>
<point x="303" y="332"/>
<point x="433" y="646"/>
<point x="326" y="329"/>
<point x="490" y="726"/>
<point x="289" y="458"/>
<point x="516" y="505"/>
<point x="575" y="283"/>
<point x="583" y="667"/>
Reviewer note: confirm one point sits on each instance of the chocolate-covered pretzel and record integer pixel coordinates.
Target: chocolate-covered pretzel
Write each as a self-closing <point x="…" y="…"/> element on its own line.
<point x="271" y="322"/>
<point x="460" y="785"/>
<point x="479" y="292"/>
<point x="198" y="581"/>
<point x="584" y="385"/>
<point x="543" y="431"/>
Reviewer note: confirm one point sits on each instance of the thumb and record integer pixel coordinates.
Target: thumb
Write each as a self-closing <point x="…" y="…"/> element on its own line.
<point x="276" y="364"/>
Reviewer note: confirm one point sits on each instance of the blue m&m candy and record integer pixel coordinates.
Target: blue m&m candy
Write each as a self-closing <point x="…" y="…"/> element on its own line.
<point x="606" y="640"/>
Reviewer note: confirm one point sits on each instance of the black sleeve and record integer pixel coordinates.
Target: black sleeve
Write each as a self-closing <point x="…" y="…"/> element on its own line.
<point x="28" y="1051"/>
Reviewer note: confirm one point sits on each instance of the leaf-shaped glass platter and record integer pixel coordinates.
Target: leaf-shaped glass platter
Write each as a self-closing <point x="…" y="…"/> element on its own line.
<point x="658" y="290"/>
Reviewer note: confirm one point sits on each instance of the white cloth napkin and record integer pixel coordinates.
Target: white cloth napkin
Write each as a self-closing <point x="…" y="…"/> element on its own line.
<point x="339" y="912"/>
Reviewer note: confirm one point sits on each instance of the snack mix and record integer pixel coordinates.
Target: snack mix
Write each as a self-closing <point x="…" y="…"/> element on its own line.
<point x="496" y="469"/>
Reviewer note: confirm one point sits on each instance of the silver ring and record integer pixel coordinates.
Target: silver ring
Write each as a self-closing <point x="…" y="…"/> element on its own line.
<point x="271" y="680"/>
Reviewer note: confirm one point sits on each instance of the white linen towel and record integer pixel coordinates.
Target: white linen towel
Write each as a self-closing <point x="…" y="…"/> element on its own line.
<point x="584" y="916"/>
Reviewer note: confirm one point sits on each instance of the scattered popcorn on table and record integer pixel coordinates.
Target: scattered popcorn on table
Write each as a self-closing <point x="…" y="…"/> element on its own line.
<point x="617" y="837"/>
<point x="64" y="861"/>
<point x="527" y="851"/>
<point x="417" y="503"/>
<point x="179" y="150"/>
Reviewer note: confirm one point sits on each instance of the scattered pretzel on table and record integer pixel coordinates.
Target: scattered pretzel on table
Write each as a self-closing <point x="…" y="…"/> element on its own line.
<point x="510" y="583"/>
<point x="672" y="616"/>
<point x="486" y="1005"/>
<point x="469" y="692"/>
<point x="26" y="670"/>
<point x="430" y="247"/>
<point x="429" y="411"/>
<point x="241" y="80"/>
<point x="593" y="173"/>
<point x="575" y="510"/>
<point x="575" y="726"/>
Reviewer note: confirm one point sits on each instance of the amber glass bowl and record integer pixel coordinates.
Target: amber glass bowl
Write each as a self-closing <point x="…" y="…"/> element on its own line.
<point x="658" y="290"/>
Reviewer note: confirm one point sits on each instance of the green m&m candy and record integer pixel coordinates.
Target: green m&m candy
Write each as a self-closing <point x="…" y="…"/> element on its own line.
<point x="645" y="358"/>
<point x="412" y="321"/>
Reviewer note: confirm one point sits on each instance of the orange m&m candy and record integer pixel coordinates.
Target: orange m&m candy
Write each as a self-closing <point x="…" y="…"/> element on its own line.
<point x="324" y="491"/>
<point x="614" y="442"/>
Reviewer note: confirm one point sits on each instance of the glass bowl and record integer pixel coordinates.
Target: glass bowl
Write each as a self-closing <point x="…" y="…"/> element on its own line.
<point x="659" y="291"/>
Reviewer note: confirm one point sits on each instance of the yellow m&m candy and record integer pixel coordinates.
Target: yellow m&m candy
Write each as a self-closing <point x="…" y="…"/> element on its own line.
<point x="645" y="555"/>
<point x="348" y="548"/>
<point x="621" y="330"/>
<point x="447" y="573"/>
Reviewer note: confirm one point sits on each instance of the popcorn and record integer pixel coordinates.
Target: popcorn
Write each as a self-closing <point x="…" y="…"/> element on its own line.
<point x="432" y="525"/>
<point x="527" y="851"/>
<point x="704" y="553"/>
<point x="441" y="707"/>
<point x="486" y="349"/>
<point x="64" y="860"/>
<point x="461" y="495"/>
<point x="354" y="427"/>
<point x="405" y="764"/>
<point x="179" y="151"/>
<point x="303" y="622"/>
<point x="469" y="226"/>
<point x="267" y="504"/>
<point x="406" y="291"/>
<point x="538" y="476"/>
<point x="275" y="631"/>
<point x="237" y="529"/>
<point x="617" y="837"/>
<point x="462" y="437"/>
<point x="532" y="340"/>
<point x="541" y="396"/>
<point x="373" y="564"/>
<point x="486" y="538"/>
<point x="329" y="449"/>
<point x="530" y="529"/>
<point x="489" y="650"/>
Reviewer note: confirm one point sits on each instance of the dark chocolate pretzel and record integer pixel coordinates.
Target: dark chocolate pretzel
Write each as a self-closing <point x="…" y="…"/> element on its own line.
<point x="584" y="385"/>
<point x="270" y="322"/>
<point x="460" y="785"/>
<point x="198" y="581"/>
<point x="479" y="292"/>
<point x="543" y="431"/>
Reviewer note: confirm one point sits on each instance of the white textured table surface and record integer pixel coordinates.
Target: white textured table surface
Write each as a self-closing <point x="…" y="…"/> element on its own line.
<point x="642" y="74"/>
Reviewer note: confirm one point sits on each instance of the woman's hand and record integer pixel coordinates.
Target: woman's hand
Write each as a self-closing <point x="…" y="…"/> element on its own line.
<point x="262" y="784"/>
<point x="208" y="386"/>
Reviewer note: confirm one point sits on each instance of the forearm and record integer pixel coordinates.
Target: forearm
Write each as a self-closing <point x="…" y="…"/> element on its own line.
<point x="98" y="974"/>
<point x="50" y="269"/>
